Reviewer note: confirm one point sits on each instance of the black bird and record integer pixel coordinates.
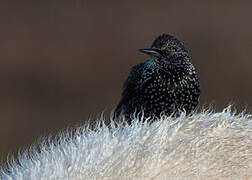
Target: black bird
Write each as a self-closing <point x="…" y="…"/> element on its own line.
<point x="166" y="83"/>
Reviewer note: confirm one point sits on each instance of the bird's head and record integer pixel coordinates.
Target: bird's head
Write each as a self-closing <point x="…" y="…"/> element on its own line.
<point x="166" y="48"/>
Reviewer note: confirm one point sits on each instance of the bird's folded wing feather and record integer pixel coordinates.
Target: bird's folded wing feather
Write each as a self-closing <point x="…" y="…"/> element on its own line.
<point x="130" y="86"/>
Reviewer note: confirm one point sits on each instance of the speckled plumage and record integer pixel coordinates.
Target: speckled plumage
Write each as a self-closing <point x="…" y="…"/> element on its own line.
<point x="166" y="83"/>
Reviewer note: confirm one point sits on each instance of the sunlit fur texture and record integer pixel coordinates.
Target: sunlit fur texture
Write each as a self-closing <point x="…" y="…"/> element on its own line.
<point x="207" y="145"/>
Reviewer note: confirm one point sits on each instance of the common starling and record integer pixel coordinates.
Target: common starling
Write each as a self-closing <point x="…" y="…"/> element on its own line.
<point x="167" y="83"/>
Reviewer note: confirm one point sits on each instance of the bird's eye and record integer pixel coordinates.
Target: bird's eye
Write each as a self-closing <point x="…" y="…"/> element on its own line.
<point x="159" y="51"/>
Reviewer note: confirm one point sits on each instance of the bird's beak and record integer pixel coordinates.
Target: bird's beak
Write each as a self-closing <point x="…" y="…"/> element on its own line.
<point x="150" y="51"/>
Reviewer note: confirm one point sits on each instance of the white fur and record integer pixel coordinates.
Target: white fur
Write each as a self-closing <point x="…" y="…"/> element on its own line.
<point x="203" y="146"/>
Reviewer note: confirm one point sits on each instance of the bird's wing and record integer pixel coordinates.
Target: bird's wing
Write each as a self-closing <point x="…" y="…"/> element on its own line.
<point x="129" y="86"/>
<point x="132" y="81"/>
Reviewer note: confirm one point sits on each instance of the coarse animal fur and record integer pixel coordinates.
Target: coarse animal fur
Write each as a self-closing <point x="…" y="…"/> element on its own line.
<point x="206" y="145"/>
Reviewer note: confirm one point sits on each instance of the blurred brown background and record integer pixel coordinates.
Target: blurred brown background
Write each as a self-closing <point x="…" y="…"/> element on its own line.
<point x="63" y="61"/>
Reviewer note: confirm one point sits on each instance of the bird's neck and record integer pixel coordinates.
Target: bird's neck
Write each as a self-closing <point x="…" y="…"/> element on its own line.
<point x="176" y="75"/>
<point x="173" y="68"/>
